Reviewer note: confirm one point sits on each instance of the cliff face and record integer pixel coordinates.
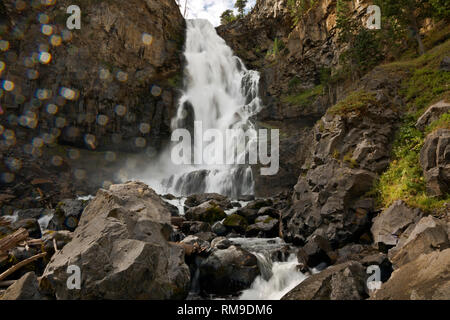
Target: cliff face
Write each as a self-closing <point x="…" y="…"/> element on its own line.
<point x="110" y="86"/>
<point x="112" y="78"/>
<point x="291" y="58"/>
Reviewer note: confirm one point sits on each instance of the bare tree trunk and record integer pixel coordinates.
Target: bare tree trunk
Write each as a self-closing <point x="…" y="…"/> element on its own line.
<point x="416" y="30"/>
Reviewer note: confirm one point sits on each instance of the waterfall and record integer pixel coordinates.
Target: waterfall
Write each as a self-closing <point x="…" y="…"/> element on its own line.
<point x="220" y="94"/>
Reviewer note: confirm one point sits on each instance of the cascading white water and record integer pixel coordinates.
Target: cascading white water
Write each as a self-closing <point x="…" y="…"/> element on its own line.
<point x="285" y="277"/>
<point x="221" y="94"/>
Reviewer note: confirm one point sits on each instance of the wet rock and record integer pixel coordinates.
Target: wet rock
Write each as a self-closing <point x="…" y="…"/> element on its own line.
<point x="219" y="229"/>
<point x="316" y="251"/>
<point x="428" y="235"/>
<point x="196" y="242"/>
<point x="26" y="288"/>
<point x="432" y="114"/>
<point x="32" y="226"/>
<point x="193" y="227"/>
<point x="198" y="199"/>
<point x="67" y="215"/>
<point x="122" y="243"/>
<point x="61" y="237"/>
<point x="221" y="243"/>
<point x="209" y="211"/>
<point x="435" y="162"/>
<point x="32" y="213"/>
<point x="206" y="236"/>
<point x="228" y="271"/>
<point x="341" y="282"/>
<point x="390" y="224"/>
<point x="236" y="223"/>
<point x="269" y="211"/>
<point x="177" y="221"/>
<point x="425" y="278"/>
<point x="264" y="226"/>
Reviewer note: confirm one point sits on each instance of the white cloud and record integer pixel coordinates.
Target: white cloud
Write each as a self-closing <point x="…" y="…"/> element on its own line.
<point x="210" y="9"/>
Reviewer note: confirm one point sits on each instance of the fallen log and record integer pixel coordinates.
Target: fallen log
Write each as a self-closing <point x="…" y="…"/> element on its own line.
<point x="21" y="264"/>
<point x="11" y="240"/>
<point x="7" y="283"/>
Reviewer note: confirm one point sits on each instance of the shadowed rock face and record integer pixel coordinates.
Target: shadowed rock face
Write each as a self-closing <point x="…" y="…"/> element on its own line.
<point x="126" y="54"/>
<point x="121" y="247"/>
<point x="110" y="86"/>
<point x="425" y="278"/>
<point x="435" y="162"/>
<point x="341" y="282"/>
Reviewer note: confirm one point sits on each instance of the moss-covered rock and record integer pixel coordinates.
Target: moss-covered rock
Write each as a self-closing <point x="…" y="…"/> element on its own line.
<point x="236" y="223"/>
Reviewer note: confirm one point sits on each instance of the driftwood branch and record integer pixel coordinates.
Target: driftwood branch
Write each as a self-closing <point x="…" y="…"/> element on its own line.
<point x="21" y="264"/>
<point x="7" y="283"/>
<point x="11" y="241"/>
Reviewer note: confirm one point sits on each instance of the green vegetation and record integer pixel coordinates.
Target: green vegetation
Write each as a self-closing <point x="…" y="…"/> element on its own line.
<point x="404" y="179"/>
<point x="364" y="47"/>
<point x="240" y="6"/>
<point x="299" y="8"/>
<point x="305" y="97"/>
<point x="424" y="85"/>
<point x="227" y="17"/>
<point x="277" y="47"/>
<point x="410" y="15"/>
<point x="357" y="101"/>
<point x="442" y="123"/>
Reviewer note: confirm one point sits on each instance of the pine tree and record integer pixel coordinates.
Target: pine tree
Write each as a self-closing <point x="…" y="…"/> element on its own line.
<point x="411" y="13"/>
<point x="240" y="6"/>
<point x="227" y="17"/>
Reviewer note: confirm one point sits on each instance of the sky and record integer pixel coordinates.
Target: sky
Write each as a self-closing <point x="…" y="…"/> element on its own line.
<point x="210" y="9"/>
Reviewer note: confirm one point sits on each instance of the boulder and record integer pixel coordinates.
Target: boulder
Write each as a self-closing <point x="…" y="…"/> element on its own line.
<point x="317" y="250"/>
<point x="264" y="226"/>
<point x="432" y="114"/>
<point x="209" y="211"/>
<point x="220" y="243"/>
<point x="236" y="223"/>
<point x="228" y="271"/>
<point x="425" y="278"/>
<point x="67" y="215"/>
<point x="26" y="288"/>
<point x="197" y="199"/>
<point x="345" y="281"/>
<point x="390" y="224"/>
<point x="435" y="162"/>
<point x="445" y="64"/>
<point x="121" y="247"/>
<point x="428" y="235"/>
<point x="61" y="238"/>
<point x="32" y="226"/>
<point x="219" y="229"/>
<point x="193" y="227"/>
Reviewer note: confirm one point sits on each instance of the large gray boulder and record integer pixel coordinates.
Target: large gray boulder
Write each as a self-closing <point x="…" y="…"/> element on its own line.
<point x="390" y="224"/>
<point x="121" y="247"/>
<point x="26" y="288"/>
<point x="345" y="281"/>
<point x="435" y="162"/>
<point x="425" y="278"/>
<point x="228" y="271"/>
<point x="428" y="235"/>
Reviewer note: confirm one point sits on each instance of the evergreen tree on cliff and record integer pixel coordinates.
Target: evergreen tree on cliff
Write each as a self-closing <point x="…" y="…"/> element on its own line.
<point x="411" y="14"/>
<point x="240" y="6"/>
<point x="227" y="17"/>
